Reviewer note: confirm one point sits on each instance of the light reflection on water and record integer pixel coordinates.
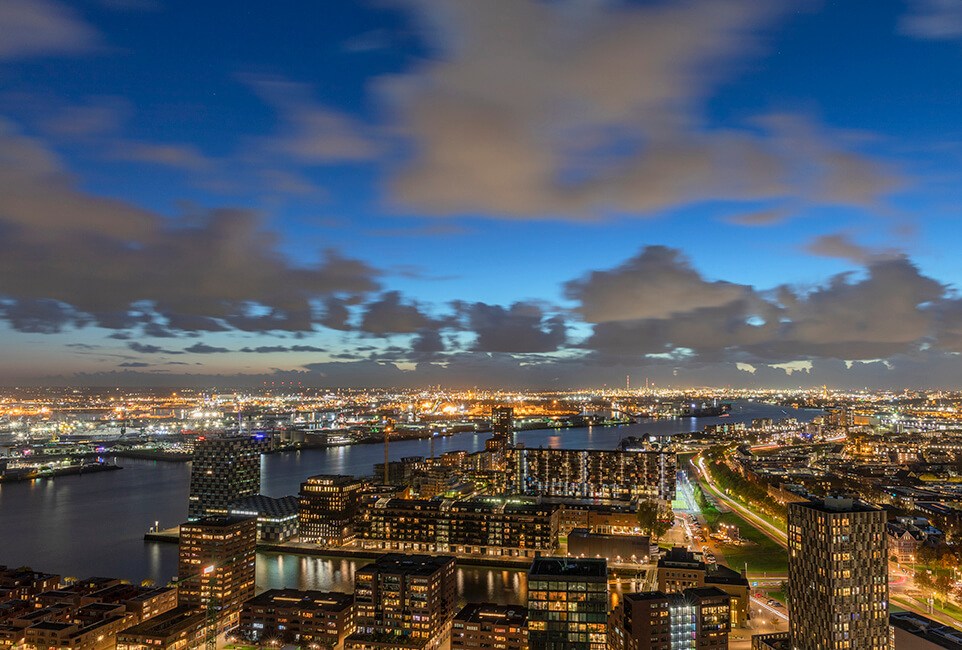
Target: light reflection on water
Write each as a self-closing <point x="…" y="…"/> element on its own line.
<point x="94" y="524"/>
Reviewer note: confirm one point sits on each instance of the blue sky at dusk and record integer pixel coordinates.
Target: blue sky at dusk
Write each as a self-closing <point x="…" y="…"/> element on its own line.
<point x="517" y="193"/>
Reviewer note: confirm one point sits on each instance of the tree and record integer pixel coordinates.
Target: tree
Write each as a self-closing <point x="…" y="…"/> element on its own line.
<point x="942" y="586"/>
<point x="653" y="520"/>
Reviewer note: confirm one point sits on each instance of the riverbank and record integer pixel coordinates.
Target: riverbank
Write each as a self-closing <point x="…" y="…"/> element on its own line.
<point x="171" y="536"/>
<point x="55" y="472"/>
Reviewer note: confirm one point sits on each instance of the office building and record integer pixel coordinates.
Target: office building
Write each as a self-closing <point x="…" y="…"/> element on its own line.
<point x="223" y="470"/>
<point x="592" y="474"/>
<point x="403" y="601"/>
<point x="697" y="618"/>
<point x="568" y="604"/>
<point x="838" y="575"/>
<point x="216" y="564"/>
<point x="310" y="619"/>
<point x="327" y="507"/>
<point x="485" y="625"/>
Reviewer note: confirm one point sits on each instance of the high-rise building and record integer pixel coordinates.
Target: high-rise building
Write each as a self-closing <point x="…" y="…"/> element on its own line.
<point x="215" y="569"/>
<point x="223" y="470"/>
<point x="696" y="618"/>
<point x="838" y="575"/>
<point x="502" y="424"/>
<point x="595" y="473"/>
<point x="485" y="625"/>
<point x="328" y="504"/>
<point x="403" y="601"/>
<point x="568" y="604"/>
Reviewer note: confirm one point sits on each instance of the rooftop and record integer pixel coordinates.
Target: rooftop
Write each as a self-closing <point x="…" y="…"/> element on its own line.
<point x="219" y="521"/>
<point x="569" y="567"/>
<point x="409" y="564"/>
<point x="318" y="600"/>
<point x="491" y="613"/>
<point x="836" y="504"/>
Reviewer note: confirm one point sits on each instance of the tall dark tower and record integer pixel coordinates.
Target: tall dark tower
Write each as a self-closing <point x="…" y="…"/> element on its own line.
<point x="224" y="469"/>
<point x="502" y="424"/>
<point x="838" y="575"/>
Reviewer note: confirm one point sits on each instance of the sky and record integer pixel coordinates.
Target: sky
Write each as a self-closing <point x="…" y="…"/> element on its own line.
<point x="543" y="194"/>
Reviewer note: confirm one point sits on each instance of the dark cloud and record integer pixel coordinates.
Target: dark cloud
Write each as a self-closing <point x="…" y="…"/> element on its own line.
<point x="106" y="261"/>
<point x="656" y="283"/>
<point x="203" y="348"/>
<point x="522" y="328"/>
<point x="133" y="364"/>
<point x="269" y="349"/>
<point x="145" y="348"/>
<point x="428" y="342"/>
<point x="390" y="315"/>
<point x="892" y="310"/>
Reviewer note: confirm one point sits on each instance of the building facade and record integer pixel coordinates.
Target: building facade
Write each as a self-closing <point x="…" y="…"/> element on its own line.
<point x="568" y="604"/>
<point x="223" y="470"/>
<point x="277" y="519"/>
<point x="215" y="565"/>
<point x="327" y="508"/>
<point x="487" y="526"/>
<point x="403" y="601"/>
<point x="592" y="474"/>
<point x="484" y="625"/>
<point x="838" y="575"/>
<point x="690" y="620"/>
<point x="311" y="619"/>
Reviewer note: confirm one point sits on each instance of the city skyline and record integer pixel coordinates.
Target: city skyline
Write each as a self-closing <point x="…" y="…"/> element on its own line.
<point x="515" y="193"/>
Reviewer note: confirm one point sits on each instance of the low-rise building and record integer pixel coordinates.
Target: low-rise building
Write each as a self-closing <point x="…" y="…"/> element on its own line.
<point x="485" y="625"/>
<point x="180" y="628"/>
<point x="699" y="617"/>
<point x="315" y="619"/>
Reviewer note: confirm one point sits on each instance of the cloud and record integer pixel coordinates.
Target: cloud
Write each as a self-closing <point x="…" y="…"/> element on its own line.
<point x="271" y="349"/>
<point x="70" y="258"/>
<point x="134" y="364"/>
<point x="656" y="283"/>
<point x="933" y="19"/>
<point x="32" y="28"/>
<point x="428" y="342"/>
<point x="657" y="306"/>
<point x="522" y="328"/>
<point x="185" y="157"/>
<point x="840" y="245"/>
<point x="767" y="217"/>
<point x="310" y="133"/>
<point x="513" y="119"/>
<point x="145" y="348"/>
<point x="390" y="315"/>
<point x="202" y="348"/>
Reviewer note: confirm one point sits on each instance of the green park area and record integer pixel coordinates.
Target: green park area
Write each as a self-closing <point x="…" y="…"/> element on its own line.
<point x="761" y="554"/>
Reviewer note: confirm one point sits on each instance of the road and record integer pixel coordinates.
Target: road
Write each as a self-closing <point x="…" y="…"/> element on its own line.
<point x="899" y="587"/>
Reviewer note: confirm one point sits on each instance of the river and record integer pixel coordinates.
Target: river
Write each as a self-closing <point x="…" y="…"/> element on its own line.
<point x="94" y="524"/>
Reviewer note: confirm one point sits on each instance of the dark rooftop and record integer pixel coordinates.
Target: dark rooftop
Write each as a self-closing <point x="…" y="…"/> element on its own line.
<point x="569" y="567"/>
<point x="491" y="613"/>
<point x="408" y="564"/>
<point x="333" y="601"/>
<point x="219" y="521"/>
